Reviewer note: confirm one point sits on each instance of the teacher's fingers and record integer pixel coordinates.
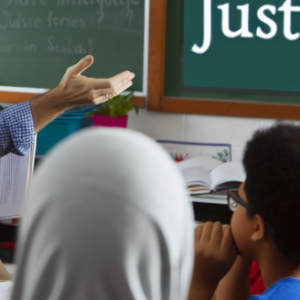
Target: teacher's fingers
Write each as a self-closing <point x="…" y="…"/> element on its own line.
<point x="121" y="78"/>
<point x="118" y="83"/>
<point x="82" y="65"/>
<point x="121" y="87"/>
<point x="103" y="95"/>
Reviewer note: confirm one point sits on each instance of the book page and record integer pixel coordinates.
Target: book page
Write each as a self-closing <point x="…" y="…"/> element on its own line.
<point x="230" y="171"/>
<point x="196" y="173"/>
<point x="196" y="176"/>
<point x="14" y="173"/>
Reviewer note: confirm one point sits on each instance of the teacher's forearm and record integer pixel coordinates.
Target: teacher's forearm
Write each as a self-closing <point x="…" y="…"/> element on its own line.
<point x="46" y="107"/>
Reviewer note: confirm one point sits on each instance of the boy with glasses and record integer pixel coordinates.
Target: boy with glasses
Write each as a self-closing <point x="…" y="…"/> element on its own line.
<point x="264" y="226"/>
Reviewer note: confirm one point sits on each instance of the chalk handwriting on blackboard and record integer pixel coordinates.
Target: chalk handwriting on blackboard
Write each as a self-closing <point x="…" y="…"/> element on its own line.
<point x="57" y="21"/>
<point x="27" y="2"/>
<point x="126" y="6"/>
<point x="49" y="15"/>
<point x="9" y="20"/>
<point x="69" y="47"/>
<point x="6" y="48"/>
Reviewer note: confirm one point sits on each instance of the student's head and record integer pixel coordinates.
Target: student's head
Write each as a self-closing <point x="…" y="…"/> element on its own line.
<point x="106" y="217"/>
<point x="272" y="188"/>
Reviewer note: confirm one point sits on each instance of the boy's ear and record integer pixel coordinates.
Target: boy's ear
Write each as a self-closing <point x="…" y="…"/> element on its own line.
<point x="259" y="228"/>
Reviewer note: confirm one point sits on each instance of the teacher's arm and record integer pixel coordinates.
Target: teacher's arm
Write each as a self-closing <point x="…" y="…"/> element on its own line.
<point x="20" y="122"/>
<point x="77" y="90"/>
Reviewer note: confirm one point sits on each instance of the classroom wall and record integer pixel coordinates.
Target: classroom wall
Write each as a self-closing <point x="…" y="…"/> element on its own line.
<point x="198" y="128"/>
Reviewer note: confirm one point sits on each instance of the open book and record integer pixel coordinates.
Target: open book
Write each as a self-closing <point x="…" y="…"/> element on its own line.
<point x="203" y="174"/>
<point x="15" y="175"/>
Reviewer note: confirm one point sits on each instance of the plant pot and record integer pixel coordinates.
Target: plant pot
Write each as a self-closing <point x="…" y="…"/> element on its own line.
<point x="109" y="121"/>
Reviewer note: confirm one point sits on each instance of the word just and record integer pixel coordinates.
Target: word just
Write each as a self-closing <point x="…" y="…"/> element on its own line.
<point x="244" y="32"/>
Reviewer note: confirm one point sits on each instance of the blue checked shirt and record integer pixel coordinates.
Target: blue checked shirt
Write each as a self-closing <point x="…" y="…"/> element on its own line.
<point x="16" y="129"/>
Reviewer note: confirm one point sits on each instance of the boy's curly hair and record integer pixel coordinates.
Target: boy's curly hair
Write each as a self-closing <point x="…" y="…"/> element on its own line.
<point x="272" y="165"/>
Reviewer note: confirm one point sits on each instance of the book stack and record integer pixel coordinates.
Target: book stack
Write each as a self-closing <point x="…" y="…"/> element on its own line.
<point x="208" y="179"/>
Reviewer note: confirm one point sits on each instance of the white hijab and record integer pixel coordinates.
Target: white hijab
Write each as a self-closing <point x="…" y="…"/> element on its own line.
<point x="5" y="290"/>
<point x="107" y="217"/>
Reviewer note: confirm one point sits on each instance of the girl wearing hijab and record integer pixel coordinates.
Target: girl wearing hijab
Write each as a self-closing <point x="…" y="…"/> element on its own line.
<point x="106" y="217"/>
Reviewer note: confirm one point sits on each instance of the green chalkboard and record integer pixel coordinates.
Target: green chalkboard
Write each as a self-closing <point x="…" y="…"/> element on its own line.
<point x="39" y="39"/>
<point x="174" y="68"/>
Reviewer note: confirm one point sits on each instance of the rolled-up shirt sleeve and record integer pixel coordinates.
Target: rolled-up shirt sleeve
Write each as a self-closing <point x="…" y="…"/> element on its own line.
<point x="16" y="129"/>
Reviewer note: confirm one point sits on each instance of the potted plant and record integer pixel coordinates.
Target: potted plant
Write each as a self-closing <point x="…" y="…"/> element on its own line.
<point x="113" y="113"/>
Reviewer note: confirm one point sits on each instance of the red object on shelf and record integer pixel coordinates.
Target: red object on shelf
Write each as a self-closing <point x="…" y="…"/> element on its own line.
<point x="15" y="222"/>
<point x="8" y="245"/>
<point x="109" y="121"/>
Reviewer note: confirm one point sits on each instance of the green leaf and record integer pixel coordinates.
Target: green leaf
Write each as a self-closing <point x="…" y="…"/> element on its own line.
<point x="116" y="107"/>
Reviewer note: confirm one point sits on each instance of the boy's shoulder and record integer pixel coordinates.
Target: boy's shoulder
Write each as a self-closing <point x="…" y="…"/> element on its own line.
<point x="285" y="288"/>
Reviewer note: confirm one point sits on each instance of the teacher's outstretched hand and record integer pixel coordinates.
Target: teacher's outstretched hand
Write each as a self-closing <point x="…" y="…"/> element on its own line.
<point x="81" y="90"/>
<point x="74" y="90"/>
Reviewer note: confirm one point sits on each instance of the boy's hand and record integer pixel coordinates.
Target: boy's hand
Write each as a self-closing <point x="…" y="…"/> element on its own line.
<point x="215" y="253"/>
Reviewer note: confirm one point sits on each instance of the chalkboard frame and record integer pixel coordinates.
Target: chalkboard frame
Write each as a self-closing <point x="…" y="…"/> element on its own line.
<point x="15" y="97"/>
<point x="157" y="101"/>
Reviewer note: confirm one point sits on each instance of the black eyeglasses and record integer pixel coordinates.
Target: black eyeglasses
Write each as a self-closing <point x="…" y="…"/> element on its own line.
<point x="233" y="199"/>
